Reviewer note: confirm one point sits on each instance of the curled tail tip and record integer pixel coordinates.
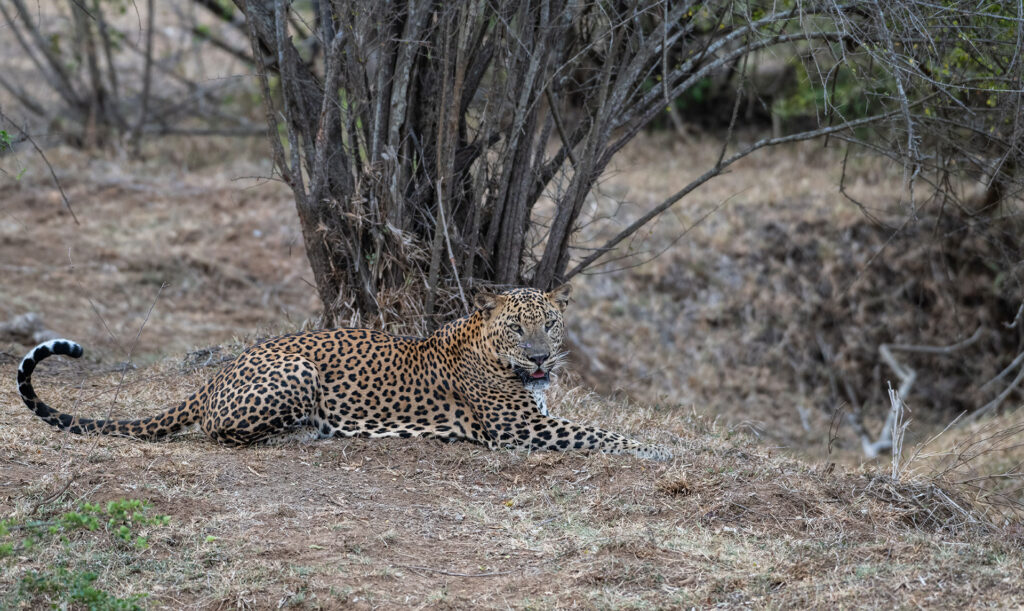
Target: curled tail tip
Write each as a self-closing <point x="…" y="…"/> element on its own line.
<point x="56" y="346"/>
<point x="45" y="349"/>
<point x="73" y="349"/>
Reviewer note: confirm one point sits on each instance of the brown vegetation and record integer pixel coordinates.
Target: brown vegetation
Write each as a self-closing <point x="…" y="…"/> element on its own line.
<point x="732" y="521"/>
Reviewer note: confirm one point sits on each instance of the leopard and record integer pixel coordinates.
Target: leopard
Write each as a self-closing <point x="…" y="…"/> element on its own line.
<point x="482" y="378"/>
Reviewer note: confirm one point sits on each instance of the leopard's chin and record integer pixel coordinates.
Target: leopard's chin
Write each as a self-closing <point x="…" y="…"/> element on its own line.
<point x="539" y="384"/>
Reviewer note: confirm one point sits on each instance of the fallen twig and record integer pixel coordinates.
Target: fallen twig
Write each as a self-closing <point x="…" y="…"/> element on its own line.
<point x="994" y="403"/>
<point x="908" y="375"/>
<point x="1017" y="318"/>
<point x="413" y="567"/>
<point x="891" y="435"/>
<point x="895" y="430"/>
<point x="59" y="493"/>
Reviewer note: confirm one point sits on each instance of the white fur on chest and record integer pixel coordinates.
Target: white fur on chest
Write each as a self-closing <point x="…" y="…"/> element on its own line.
<point x="540" y="397"/>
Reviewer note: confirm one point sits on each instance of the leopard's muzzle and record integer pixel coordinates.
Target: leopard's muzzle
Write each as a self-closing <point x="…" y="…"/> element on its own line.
<point x="535" y="378"/>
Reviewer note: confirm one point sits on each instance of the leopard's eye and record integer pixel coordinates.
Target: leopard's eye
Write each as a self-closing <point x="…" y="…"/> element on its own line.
<point x="516" y="328"/>
<point x="550" y="324"/>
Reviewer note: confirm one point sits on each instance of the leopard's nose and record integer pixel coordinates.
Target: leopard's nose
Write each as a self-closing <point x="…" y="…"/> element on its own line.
<point x="539" y="358"/>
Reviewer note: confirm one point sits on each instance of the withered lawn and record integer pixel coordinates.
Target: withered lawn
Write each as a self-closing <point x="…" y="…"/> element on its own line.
<point x="732" y="521"/>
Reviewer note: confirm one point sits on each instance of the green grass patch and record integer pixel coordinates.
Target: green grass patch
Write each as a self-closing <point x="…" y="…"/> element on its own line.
<point x="72" y="580"/>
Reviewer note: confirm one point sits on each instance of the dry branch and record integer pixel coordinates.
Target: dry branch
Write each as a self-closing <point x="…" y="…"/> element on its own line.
<point x="469" y="97"/>
<point x="713" y="172"/>
<point x="907" y="375"/>
<point x="93" y="84"/>
<point x="995" y="403"/>
<point x="53" y="174"/>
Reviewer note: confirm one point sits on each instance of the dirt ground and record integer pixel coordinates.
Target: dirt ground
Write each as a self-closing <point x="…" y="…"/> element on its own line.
<point x="179" y="261"/>
<point x="398" y="524"/>
<point x="198" y="248"/>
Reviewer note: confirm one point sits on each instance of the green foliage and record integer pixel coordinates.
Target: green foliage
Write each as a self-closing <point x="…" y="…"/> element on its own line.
<point x="72" y="582"/>
<point x="74" y="587"/>
<point x="227" y="7"/>
<point x="120" y="518"/>
<point x="697" y="96"/>
<point x="847" y="95"/>
<point x="118" y="6"/>
<point x="127" y="513"/>
<point x="7" y="145"/>
<point x="959" y="74"/>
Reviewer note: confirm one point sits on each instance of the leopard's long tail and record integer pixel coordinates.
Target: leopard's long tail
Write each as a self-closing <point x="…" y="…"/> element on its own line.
<point x="153" y="427"/>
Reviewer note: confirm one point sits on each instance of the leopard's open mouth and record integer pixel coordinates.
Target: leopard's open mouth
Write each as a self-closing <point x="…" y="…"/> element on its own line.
<point x="533" y="379"/>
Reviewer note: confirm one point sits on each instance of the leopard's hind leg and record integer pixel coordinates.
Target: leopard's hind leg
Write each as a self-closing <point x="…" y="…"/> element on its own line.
<point x="263" y="396"/>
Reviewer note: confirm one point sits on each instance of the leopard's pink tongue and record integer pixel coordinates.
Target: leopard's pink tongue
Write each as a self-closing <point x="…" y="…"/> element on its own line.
<point x="538" y="374"/>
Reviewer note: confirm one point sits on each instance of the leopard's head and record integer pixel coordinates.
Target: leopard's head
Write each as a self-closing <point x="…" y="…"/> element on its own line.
<point x="524" y="328"/>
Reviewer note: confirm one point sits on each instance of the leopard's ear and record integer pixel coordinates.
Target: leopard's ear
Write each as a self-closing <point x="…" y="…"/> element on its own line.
<point x="487" y="301"/>
<point x="560" y="296"/>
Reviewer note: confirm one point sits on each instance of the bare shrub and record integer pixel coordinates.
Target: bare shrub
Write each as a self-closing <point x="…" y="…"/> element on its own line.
<point x="94" y="73"/>
<point x="475" y="113"/>
<point x="420" y="146"/>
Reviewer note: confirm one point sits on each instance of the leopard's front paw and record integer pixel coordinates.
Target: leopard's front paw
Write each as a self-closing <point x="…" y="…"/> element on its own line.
<point x="652" y="452"/>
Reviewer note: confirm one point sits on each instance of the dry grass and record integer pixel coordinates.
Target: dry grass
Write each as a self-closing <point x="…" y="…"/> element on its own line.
<point x="224" y="245"/>
<point x="409" y="523"/>
<point x="732" y="521"/>
<point x="983" y="461"/>
<point x="771" y="311"/>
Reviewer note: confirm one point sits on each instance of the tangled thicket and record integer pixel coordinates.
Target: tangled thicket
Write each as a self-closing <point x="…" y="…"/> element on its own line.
<point x="933" y="282"/>
<point x="817" y="299"/>
<point x="418" y="138"/>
